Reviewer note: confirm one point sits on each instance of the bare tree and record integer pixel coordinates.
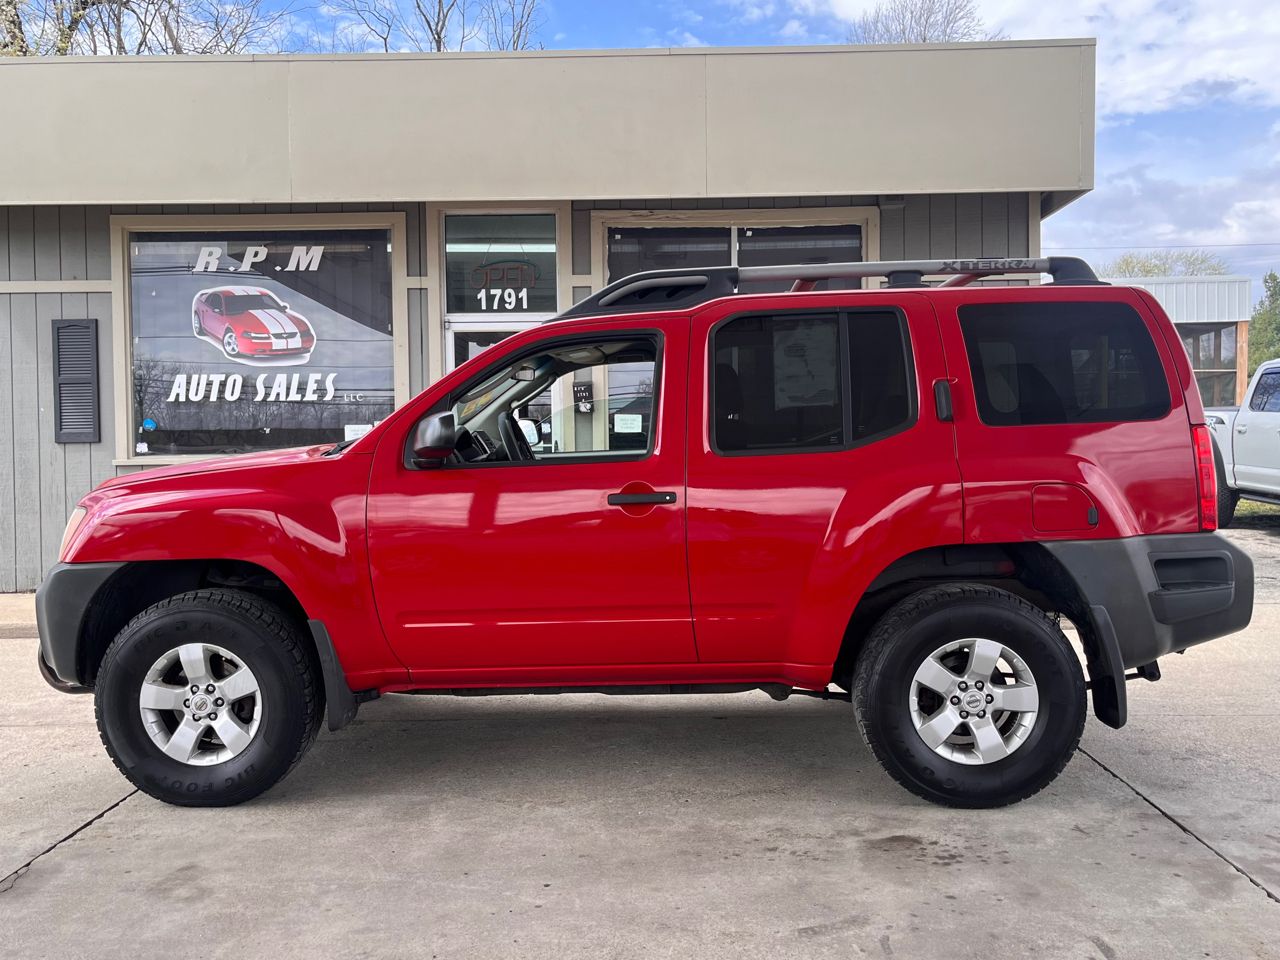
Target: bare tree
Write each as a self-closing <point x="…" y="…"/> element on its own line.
<point x="422" y="25"/>
<point x="126" y="27"/>
<point x="1165" y="263"/>
<point x="511" y="24"/>
<point x="921" y="21"/>
<point x="438" y="25"/>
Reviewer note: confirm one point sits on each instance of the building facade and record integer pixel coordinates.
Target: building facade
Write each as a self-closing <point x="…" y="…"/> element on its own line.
<point x="1212" y="316"/>
<point x="244" y="253"/>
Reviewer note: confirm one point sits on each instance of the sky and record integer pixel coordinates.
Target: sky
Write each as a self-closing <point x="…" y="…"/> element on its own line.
<point x="1188" y="101"/>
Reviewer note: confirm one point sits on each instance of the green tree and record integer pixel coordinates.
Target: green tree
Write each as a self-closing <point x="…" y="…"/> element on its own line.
<point x="1264" y="327"/>
<point x="1165" y="263"/>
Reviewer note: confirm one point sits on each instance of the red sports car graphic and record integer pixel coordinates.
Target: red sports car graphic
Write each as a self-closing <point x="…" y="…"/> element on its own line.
<point x="250" y="323"/>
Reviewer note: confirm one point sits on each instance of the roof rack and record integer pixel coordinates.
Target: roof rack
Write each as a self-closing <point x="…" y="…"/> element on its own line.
<point x="681" y="289"/>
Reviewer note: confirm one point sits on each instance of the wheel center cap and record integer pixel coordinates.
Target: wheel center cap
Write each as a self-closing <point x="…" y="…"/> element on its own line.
<point x="200" y="704"/>
<point x="973" y="701"/>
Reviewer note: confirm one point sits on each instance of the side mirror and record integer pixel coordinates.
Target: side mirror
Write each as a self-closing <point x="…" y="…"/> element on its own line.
<point x="435" y="437"/>
<point x="530" y="431"/>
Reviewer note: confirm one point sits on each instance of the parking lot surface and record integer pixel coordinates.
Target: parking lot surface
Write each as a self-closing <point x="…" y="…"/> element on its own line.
<point x="658" y="827"/>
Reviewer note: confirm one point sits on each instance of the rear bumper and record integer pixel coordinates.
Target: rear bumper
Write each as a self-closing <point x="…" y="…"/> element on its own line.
<point x="61" y="603"/>
<point x="1162" y="593"/>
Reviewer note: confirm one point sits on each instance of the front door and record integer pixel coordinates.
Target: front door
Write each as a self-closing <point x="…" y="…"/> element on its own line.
<point x="557" y="539"/>
<point x="1256" y="442"/>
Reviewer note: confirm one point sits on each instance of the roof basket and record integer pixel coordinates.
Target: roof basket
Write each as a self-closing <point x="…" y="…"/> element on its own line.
<point x="679" y="289"/>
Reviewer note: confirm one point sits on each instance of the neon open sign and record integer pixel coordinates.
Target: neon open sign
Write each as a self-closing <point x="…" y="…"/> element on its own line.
<point x="504" y="284"/>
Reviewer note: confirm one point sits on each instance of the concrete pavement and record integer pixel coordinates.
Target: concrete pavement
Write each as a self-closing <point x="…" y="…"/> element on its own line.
<point x="659" y="827"/>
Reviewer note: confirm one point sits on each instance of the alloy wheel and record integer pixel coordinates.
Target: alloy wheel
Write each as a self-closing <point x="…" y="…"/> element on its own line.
<point x="200" y="704"/>
<point x="974" y="701"/>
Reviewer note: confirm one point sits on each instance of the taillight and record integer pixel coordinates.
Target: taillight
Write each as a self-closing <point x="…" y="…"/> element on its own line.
<point x="1206" y="477"/>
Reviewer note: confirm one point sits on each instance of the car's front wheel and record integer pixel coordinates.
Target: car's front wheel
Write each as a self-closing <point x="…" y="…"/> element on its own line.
<point x="208" y="698"/>
<point x="969" y="696"/>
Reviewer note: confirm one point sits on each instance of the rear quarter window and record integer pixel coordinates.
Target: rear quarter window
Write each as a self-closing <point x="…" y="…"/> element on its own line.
<point x="1041" y="363"/>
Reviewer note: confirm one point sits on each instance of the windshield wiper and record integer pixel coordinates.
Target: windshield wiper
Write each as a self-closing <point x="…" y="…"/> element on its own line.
<point x="340" y="446"/>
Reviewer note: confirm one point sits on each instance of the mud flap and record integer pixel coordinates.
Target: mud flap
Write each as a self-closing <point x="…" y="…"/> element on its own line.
<point x="1106" y="671"/>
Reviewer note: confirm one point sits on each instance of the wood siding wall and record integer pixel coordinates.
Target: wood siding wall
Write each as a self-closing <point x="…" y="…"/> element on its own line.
<point x="40" y="481"/>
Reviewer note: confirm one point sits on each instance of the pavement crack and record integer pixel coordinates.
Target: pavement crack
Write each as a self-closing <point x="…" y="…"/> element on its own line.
<point x="1185" y="829"/>
<point x="8" y="882"/>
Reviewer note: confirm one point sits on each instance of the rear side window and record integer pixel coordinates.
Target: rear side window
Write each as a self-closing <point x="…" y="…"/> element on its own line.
<point x="790" y="383"/>
<point x="1266" y="395"/>
<point x="1038" y="363"/>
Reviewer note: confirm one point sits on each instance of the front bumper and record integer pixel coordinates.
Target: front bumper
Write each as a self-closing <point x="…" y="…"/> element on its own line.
<point x="61" y="604"/>
<point x="1162" y="593"/>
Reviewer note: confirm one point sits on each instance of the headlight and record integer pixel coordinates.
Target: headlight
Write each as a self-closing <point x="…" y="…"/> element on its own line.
<point x="257" y="336"/>
<point x="73" y="524"/>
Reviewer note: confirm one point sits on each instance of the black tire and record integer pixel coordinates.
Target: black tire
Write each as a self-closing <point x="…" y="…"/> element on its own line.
<point x="922" y="623"/>
<point x="263" y="638"/>
<point x="1228" y="499"/>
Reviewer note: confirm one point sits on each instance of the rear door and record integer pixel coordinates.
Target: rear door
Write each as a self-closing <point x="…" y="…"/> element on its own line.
<point x="816" y="458"/>
<point x="1256" y="442"/>
<point x="1070" y="420"/>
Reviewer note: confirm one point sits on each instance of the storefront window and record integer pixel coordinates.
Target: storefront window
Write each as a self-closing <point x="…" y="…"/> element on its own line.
<point x="252" y="340"/>
<point x="500" y="264"/>
<point x="636" y="249"/>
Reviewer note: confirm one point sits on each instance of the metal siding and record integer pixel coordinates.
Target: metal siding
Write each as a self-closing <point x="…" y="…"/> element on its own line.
<point x="942" y="226"/>
<point x="969" y="225"/>
<point x="415" y="241"/>
<point x="22" y="254"/>
<point x="77" y="456"/>
<point x="891" y="233"/>
<point x="101" y="454"/>
<point x="71" y="243"/>
<point x="995" y="225"/>
<point x="4" y="243"/>
<point x="48" y="256"/>
<point x="417" y="340"/>
<point x="1019" y="241"/>
<point x="52" y="458"/>
<point x="27" y="489"/>
<point x="97" y="237"/>
<point x="580" y="222"/>
<point x="8" y="449"/>
<point x="915" y="228"/>
<point x="1199" y="299"/>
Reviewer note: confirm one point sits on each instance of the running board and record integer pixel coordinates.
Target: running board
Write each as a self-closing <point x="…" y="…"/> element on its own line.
<point x="778" y="691"/>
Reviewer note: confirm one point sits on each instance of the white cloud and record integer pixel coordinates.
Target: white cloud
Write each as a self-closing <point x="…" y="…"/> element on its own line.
<point x="1153" y="55"/>
<point x="794" y="30"/>
<point x="683" y="38"/>
<point x="753" y="11"/>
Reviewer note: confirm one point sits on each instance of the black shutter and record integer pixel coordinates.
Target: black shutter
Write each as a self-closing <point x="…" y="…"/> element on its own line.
<point x="75" y="381"/>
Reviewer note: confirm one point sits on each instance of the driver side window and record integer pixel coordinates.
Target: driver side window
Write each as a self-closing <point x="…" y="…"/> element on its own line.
<point x="588" y="399"/>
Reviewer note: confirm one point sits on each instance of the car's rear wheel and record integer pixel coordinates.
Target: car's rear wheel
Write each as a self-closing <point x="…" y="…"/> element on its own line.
<point x="969" y="696"/>
<point x="208" y="698"/>
<point x="230" y="343"/>
<point x="1228" y="499"/>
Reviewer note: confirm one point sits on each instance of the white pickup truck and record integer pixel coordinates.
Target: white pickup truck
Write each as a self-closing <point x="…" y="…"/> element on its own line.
<point x="1247" y="439"/>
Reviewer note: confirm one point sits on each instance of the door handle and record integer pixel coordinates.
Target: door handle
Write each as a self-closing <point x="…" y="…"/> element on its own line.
<point x="631" y="499"/>
<point x="1244" y="429"/>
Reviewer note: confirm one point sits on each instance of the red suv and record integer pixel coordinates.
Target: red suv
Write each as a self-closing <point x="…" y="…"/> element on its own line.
<point x="692" y="482"/>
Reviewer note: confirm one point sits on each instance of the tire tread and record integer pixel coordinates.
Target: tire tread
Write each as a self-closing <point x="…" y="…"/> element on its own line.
<point x="870" y="668"/>
<point x="270" y="620"/>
